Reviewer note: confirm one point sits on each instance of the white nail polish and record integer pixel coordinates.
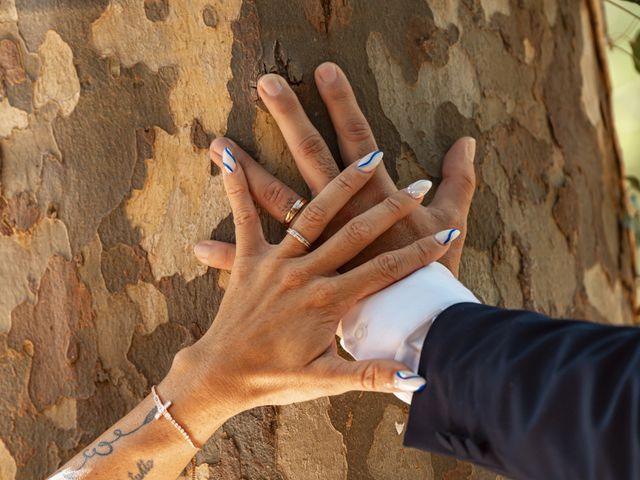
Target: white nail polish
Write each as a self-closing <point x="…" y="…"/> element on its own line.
<point x="419" y="189"/>
<point x="445" y="237"/>
<point x="369" y="162"/>
<point x="229" y="163"/>
<point x="408" y="381"/>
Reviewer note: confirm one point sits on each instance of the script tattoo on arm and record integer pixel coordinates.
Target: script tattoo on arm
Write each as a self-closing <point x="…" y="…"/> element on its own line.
<point x="104" y="448"/>
<point x="144" y="467"/>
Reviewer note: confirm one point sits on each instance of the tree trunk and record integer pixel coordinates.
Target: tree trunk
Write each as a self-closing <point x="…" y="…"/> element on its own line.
<point x="106" y="112"/>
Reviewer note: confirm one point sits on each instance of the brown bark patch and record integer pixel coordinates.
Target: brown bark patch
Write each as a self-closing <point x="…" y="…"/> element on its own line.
<point x="209" y="16"/>
<point x="19" y="213"/>
<point x="11" y="68"/>
<point x="60" y="327"/>
<point x="156" y="10"/>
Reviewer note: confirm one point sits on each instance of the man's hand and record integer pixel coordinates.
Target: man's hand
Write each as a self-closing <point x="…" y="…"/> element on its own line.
<point x="449" y="207"/>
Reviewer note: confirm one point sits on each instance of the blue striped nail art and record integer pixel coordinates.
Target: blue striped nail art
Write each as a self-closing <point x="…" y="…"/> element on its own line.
<point x="370" y="161"/>
<point x="408" y="381"/>
<point x="228" y="161"/>
<point x="445" y="237"/>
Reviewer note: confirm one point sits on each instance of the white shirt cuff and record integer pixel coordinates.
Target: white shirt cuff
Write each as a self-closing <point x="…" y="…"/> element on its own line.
<point x="394" y="323"/>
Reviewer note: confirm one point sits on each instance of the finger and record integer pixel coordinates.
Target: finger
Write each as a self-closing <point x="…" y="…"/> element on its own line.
<point x="355" y="137"/>
<point x="249" y="236"/>
<point x="309" y="150"/>
<point x="321" y="210"/>
<point x="337" y="376"/>
<point x="453" y="198"/>
<point x="270" y="193"/>
<point x="365" y="228"/>
<point x="215" y="254"/>
<point x="390" y="267"/>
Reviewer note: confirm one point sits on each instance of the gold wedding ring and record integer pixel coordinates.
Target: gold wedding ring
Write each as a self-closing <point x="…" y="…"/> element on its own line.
<point x="293" y="211"/>
<point x="295" y="234"/>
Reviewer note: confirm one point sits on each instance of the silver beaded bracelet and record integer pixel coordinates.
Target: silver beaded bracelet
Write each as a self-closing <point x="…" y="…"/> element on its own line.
<point x="163" y="411"/>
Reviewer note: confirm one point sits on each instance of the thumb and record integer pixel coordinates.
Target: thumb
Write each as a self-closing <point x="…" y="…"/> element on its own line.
<point x="215" y="254"/>
<point x="375" y="376"/>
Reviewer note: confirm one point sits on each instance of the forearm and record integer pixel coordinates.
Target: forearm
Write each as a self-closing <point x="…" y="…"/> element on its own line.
<point x="521" y="393"/>
<point x="139" y="446"/>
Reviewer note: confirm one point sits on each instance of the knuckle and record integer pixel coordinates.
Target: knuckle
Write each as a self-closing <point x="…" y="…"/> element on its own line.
<point x="343" y="183"/>
<point x="324" y="294"/>
<point x="388" y="266"/>
<point x="245" y="216"/>
<point x="371" y="376"/>
<point x="357" y="231"/>
<point x="274" y="193"/>
<point x="393" y="205"/>
<point x="314" y="215"/>
<point x="422" y="251"/>
<point x="237" y="191"/>
<point x="313" y="145"/>
<point x="356" y="130"/>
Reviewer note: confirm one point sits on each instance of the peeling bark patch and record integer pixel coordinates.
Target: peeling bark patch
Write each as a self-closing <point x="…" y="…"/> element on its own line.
<point x="528" y="178"/>
<point x="253" y="432"/>
<point x="209" y="16"/>
<point x="309" y="446"/>
<point x="11" y="118"/>
<point x="326" y="15"/>
<point x="428" y="43"/>
<point x="156" y="10"/>
<point x="29" y="256"/>
<point x="152" y="354"/>
<point x="200" y="139"/>
<point x="7" y="463"/>
<point x="60" y="327"/>
<point x="57" y="81"/>
<point x="388" y="454"/>
<point x="11" y="68"/>
<point x="122" y="266"/>
<point x="18" y="214"/>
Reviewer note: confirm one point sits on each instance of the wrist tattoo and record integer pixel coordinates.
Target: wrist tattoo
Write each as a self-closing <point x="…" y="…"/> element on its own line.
<point x="104" y="448"/>
<point x="143" y="469"/>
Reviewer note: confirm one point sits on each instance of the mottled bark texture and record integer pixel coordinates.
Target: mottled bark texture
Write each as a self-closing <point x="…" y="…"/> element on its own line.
<point x="106" y="111"/>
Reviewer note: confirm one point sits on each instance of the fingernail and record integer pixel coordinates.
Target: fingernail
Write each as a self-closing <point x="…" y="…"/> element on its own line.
<point x="327" y="72"/>
<point x="445" y="237"/>
<point x="229" y="163"/>
<point x="369" y="162"/>
<point x="271" y="84"/>
<point x="408" y="381"/>
<point x="471" y="149"/>
<point x="419" y="189"/>
<point x="202" y="250"/>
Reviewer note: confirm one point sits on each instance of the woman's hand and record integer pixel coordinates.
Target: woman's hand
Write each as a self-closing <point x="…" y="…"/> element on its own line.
<point x="273" y="340"/>
<point x="450" y="206"/>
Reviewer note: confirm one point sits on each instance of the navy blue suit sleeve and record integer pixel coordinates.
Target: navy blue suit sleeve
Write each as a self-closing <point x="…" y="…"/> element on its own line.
<point x="530" y="397"/>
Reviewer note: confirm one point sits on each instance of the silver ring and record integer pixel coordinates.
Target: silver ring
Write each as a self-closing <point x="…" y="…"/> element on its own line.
<point x="295" y="234"/>
<point x="294" y="211"/>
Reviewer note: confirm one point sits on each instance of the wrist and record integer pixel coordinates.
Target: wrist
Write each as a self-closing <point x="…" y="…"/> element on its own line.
<point x="200" y="400"/>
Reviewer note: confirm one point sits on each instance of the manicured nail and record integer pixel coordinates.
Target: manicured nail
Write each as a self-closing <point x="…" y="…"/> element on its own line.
<point x="271" y="84"/>
<point x="202" y="250"/>
<point x="229" y="163"/>
<point x="327" y="72"/>
<point x="408" y="381"/>
<point x="445" y="237"/>
<point x="471" y="149"/>
<point x="419" y="189"/>
<point x="369" y="162"/>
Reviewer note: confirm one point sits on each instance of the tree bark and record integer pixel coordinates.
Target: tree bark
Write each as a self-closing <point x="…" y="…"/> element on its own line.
<point x="106" y="112"/>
